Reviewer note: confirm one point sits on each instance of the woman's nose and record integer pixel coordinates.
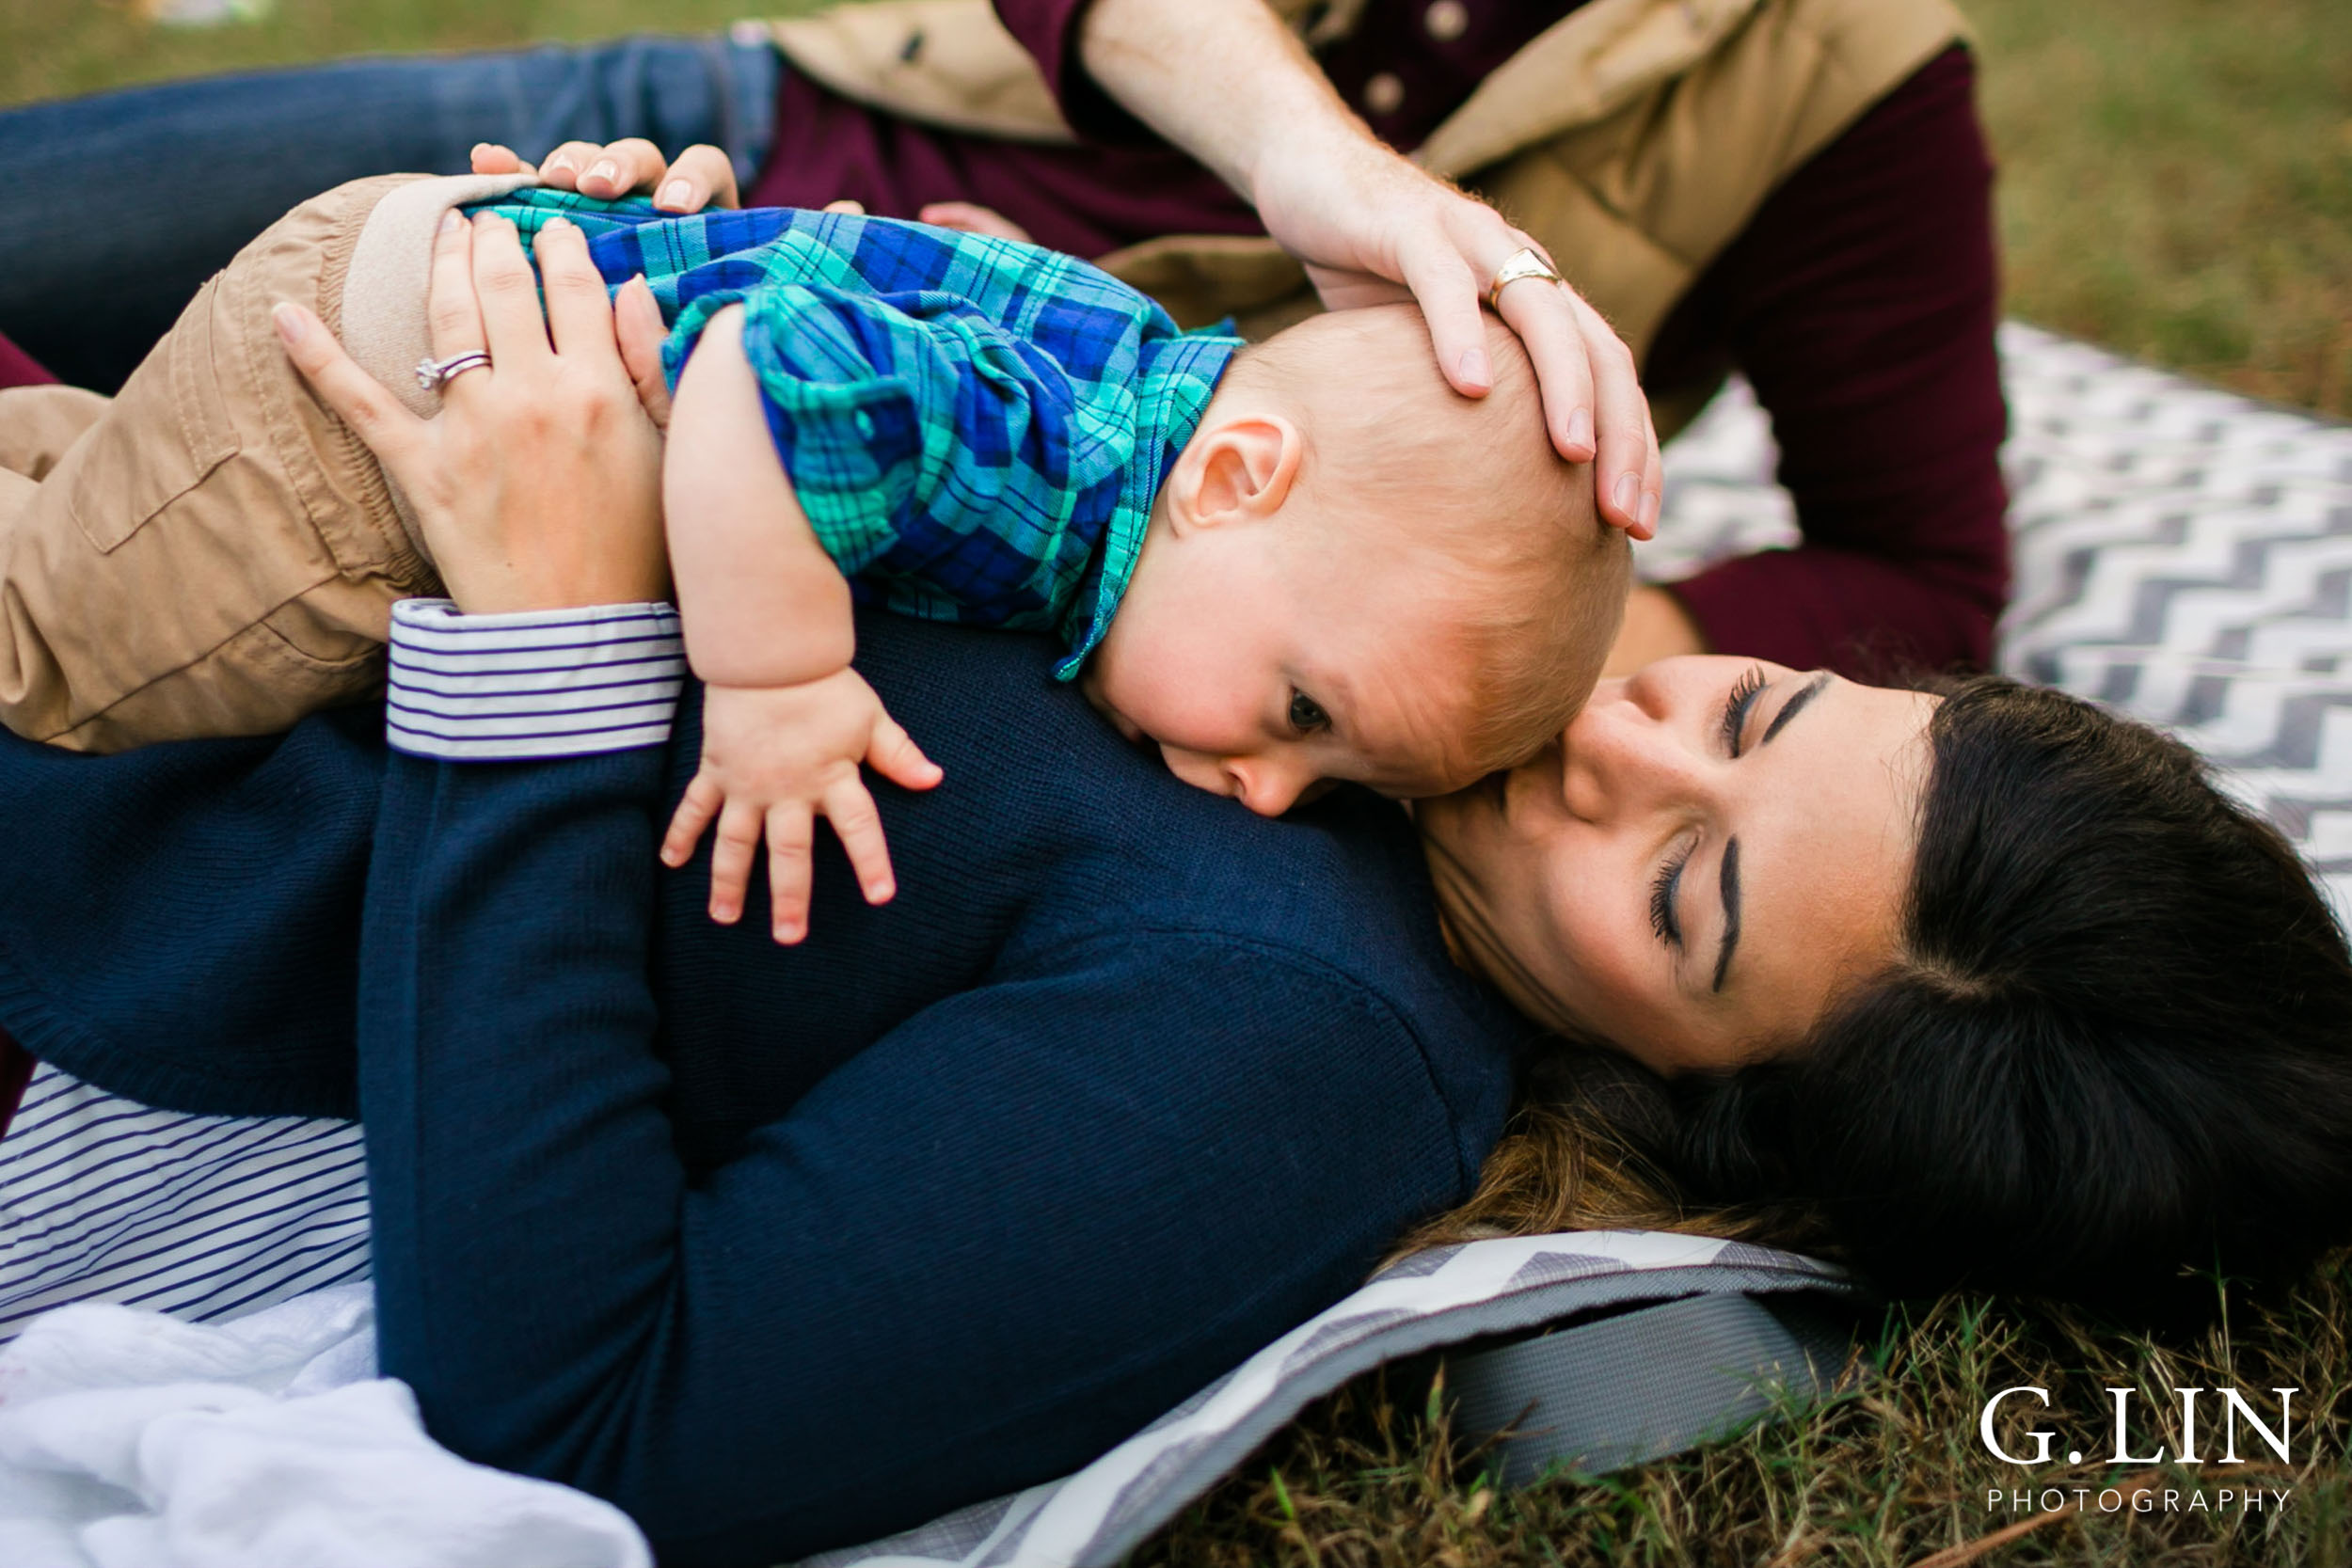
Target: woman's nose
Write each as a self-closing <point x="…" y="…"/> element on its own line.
<point x="1618" y="755"/>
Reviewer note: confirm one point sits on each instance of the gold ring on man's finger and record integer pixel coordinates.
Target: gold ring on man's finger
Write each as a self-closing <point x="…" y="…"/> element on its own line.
<point x="1526" y="261"/>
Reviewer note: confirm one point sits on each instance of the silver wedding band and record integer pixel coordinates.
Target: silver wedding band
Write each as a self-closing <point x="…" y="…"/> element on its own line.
<point x="1524" y="262"/>
<point x="434" y="374"/>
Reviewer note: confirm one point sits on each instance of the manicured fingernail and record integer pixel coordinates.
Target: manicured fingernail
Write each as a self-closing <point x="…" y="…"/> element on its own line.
<point x="561" y="160"/>
<point x="555" y="223"/>
<point x="289" y="322"/>
<point x="605" y="168"/>
<point x="1475" y="367"/>
<point x="451" y="219"/>
<point x="676" y="193"/>
<point x="1579" y="429"/>
<point x="1624" y="496"/>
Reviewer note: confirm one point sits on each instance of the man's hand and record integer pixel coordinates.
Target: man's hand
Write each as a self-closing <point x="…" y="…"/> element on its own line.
<point x="1371" y="229"/>
<point x="1228" y="83"/>
<point x="774" y="758"/>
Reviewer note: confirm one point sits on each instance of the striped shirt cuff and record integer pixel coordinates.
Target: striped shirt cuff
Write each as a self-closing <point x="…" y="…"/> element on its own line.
<point x="559" y="683"/>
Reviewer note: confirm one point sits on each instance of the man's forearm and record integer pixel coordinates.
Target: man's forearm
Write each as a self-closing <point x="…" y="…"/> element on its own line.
<point x="1223" y="79"/>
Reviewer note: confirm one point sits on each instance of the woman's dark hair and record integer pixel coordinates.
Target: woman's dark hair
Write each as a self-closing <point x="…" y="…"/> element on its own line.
<point x="2115" y="1056"/>
<point x="2118" y="1047"/>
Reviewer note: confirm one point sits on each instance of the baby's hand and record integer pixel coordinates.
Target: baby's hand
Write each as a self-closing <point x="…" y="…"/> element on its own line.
<point x="773" y="758"/>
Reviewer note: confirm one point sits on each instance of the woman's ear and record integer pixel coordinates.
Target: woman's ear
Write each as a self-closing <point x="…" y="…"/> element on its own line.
<point x="1239" y="470"/>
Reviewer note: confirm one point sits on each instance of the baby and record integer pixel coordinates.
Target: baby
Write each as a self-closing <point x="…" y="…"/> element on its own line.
<point x="1305" y="561"/>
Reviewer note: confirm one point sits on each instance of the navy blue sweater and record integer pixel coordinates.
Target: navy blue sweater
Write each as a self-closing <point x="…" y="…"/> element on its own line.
<point x="783" y="1249"/>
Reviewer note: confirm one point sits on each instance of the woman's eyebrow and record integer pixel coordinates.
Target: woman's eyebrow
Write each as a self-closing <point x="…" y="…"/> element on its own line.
<point x="1728" y="885"/>
<point x="1793" y="707"/>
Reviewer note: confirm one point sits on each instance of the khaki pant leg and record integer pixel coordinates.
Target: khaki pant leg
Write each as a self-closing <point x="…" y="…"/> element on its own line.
<point x="216" y="554"/>
<point x="37" y="423"/>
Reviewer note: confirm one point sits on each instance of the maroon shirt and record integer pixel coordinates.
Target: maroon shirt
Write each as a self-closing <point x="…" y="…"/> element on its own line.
<point x="19" y="369"/>
<point x="1860" y="301"/>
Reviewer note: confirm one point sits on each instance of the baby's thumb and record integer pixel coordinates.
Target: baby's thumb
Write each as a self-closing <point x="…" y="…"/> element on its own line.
<point x="894" y="755"/>
<point x="637" y="324"/>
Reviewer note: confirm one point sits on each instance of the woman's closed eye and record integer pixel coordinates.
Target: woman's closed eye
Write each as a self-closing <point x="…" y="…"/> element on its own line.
<point x="1736" y="707"/>
<point x="1662" y="889"/>
<point x="1307" y="715"/>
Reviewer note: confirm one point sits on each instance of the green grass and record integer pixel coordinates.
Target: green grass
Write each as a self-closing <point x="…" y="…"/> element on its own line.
<point x="1891" y="1472"/>
<point x="2177" y="183"/>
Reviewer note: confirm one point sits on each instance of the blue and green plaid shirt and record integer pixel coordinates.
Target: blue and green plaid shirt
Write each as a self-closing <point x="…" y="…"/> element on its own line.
<point x="975" y="428"/>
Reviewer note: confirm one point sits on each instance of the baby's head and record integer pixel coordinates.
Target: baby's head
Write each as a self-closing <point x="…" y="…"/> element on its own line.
<point x="1353" y="572"/>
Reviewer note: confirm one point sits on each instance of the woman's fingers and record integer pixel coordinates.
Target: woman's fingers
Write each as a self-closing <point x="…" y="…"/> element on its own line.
<point x="702" y="177"/>
<point x="580" y="313"/>
<point x="791" y="835"/>
<point x="357" y="398"/>
<point x="453" y="313"/>
<point x="513" y="330"/>
<point x="637" y="323"/>
<point x="859" y="827"/>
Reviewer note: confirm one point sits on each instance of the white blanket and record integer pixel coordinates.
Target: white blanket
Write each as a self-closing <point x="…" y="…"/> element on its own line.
<point x="131" y="1440"/>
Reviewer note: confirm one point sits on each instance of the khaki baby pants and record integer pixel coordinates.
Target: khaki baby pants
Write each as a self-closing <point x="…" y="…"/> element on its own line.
<point x="212" y="552"/>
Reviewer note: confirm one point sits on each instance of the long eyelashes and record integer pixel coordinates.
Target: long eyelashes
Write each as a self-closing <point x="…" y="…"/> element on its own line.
<point x="1736" y="709"/>
<point x="1661" y="900"/>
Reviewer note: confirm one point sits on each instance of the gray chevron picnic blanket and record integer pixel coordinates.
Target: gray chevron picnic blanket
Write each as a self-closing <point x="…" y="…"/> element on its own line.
<point x="1440" y="1297"/>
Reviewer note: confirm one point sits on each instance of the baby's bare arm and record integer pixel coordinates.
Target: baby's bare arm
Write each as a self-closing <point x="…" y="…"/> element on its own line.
<point x="763" y="604"/>
<point x="785" y="722"/>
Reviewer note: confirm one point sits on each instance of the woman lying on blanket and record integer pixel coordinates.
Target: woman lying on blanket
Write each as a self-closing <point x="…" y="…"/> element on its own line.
<point x="783" y="1249"/>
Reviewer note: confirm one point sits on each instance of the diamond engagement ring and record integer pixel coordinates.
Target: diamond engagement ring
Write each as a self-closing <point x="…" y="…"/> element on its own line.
<point x="434" y="374"/>
<point x="1526" y="261"/>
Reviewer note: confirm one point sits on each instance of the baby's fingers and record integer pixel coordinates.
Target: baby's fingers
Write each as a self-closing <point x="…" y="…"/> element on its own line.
<point x="701" y="802"/>
<point x="859" y="826"/>
<point x="731" y="853"/>
<point x="892" y="753"/>
<point x="791" y="830"/>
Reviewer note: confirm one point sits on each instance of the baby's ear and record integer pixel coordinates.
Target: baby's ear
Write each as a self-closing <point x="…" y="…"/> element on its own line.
<point x="1239" y="470"/>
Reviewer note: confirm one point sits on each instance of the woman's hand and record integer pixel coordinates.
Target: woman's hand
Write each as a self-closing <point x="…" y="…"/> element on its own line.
<point x="539" y="485"/>
<point x="702" y="176"/>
